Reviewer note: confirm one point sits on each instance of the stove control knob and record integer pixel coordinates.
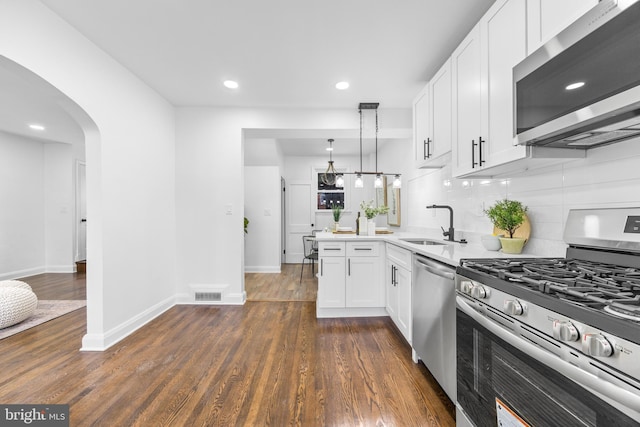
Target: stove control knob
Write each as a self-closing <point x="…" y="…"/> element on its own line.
<point x="479" y="291"/>
<point x="565" y="331"/>
<point x="466" y="286"/>
<point x="596" y="345"/>
<point x="513" y="307"/>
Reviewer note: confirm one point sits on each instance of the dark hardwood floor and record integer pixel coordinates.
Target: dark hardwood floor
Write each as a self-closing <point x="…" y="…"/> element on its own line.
<point x="267" y="363"/>
<point x="58" y="285"/>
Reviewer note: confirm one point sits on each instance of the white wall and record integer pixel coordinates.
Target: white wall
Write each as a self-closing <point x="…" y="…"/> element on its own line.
<point x="36" y="223"/>
<point x="59" y="194"/>
<point x="262" y="243"/>
<point x="129" y="131"/>
<point x="608" y="177"/>
<point x="22" y="216"/>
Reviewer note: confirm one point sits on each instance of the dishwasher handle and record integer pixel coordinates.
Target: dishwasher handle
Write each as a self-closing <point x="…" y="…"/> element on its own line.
<point x="434" y="267"/>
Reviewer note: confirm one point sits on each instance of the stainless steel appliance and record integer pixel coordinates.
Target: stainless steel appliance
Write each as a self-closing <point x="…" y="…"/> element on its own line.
<point x="554" y="341"/>
<point x="582" y="88"/>
<point x="433" y="335"/>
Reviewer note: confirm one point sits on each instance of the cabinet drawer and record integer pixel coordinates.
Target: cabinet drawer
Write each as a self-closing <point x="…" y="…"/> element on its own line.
<point x="399" y="256"/>
<point x="328" y="249"/>
<point x="362" y="249"/>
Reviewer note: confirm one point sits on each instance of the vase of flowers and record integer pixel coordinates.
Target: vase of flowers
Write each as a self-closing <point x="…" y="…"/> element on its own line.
<point x="371" y="211"/>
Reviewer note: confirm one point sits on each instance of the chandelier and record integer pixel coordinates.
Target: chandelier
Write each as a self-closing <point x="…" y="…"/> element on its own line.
<point x="330" y="177"/>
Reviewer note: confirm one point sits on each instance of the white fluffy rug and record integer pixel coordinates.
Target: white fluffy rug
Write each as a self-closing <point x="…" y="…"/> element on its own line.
<point x="46" y="310"/>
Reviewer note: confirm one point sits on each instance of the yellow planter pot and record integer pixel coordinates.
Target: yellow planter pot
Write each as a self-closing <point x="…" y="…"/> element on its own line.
<point x="512" y="246"/>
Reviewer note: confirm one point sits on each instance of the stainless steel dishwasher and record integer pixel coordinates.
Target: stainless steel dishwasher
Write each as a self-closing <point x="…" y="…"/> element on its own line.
<point x="434" y="320"/>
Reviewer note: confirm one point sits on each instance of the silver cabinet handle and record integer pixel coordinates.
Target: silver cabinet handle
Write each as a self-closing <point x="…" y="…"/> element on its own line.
<point x="626" y="398"/>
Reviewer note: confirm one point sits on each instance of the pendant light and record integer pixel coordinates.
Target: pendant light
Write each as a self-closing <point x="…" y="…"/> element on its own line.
<point x="378" y="182"/>
<point x="329" y="176"/>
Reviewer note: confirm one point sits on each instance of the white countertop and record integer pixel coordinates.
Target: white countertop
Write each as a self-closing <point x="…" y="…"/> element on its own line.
<point x="450" y="253"/>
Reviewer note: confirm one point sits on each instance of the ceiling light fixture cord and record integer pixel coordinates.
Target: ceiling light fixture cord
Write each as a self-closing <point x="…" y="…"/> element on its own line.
<point x="360" y="110"/>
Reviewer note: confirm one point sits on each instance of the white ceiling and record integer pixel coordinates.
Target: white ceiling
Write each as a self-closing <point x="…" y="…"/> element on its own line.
<point x="283" y="53"/>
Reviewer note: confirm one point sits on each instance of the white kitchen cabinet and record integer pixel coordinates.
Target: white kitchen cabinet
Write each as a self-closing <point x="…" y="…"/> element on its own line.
<point x="467" y="103"/>
<point x="331" y="278"/>
<point x="483" y="90"/>
<point x="398" y="288"/>
<point x="546" y="18"/>
<point x="350" y="279"/>
<point x="432" y="121"/>
<point x="421" y="126"/>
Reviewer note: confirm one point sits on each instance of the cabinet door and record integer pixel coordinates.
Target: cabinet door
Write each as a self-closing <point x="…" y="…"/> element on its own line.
<point x="467" y="103"/>
<point x="364" y="287"/>
<point x="421" y="126"/>
<point x="331" y="282"/>
<point x="440" y="114"/>
<point x="391" y="290"/>
<point x="546" y="18"/>
<point x="503" y="31"/>
<point x="403" y="285"/>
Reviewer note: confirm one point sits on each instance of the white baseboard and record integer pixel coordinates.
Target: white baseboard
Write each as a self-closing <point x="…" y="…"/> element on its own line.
<point x="227" y="298"/>
<point x="351" y="312"/>
<point x="101" y="342"/>
<point x="11" y="275"/>
<point x="263" y="269"/>
<point x="61" y="268"/>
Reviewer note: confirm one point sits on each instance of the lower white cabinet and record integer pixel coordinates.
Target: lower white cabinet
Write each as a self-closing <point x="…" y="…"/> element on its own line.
<point x="350" y="279"/>
<point x="398" y="288"/>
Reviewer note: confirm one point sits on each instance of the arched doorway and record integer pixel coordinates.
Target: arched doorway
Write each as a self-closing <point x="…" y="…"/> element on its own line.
<point x="36" y="114"/>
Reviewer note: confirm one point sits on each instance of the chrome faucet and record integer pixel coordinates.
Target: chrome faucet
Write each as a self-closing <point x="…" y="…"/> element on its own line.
<point x="448" y="234"/>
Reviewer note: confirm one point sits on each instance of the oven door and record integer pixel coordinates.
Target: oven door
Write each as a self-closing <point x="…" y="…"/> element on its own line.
<point x="499" y="384"/>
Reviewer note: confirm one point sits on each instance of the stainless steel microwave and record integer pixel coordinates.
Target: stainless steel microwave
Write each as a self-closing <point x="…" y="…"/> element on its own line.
<point x="582" y="88"/>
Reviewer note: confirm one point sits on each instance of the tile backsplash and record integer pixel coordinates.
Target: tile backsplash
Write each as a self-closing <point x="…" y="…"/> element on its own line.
<point x="608" y="177"/>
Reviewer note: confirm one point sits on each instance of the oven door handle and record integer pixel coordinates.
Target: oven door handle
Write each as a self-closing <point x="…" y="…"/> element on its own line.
<point x="582" y="377"/>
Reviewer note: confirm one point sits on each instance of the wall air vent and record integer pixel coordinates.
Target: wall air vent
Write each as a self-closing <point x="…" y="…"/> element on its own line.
<point x="208" y="296"/>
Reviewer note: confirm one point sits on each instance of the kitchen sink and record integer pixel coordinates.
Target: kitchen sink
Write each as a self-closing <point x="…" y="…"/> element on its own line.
<point x="426" y="242"/>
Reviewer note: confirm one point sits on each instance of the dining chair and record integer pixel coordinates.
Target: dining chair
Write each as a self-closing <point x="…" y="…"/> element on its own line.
<point x="310" y="254"/>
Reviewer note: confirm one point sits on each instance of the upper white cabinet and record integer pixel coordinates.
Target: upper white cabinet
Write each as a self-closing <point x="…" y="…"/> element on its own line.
<point x="483" y="89"/>
<point x="467" y="103"/>
<point x="546" y="18"/>
<point x="421" y="126"/>
<point x="432" y="121"/>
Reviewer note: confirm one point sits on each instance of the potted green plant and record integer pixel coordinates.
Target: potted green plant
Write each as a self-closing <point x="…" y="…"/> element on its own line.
<point x="336" y="210"/>
<point x="508" y="215"/>
<point x="246" y="224"/>
<point x="371" y="211"/>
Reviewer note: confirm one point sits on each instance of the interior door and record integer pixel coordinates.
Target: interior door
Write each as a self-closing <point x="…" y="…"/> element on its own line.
<point x="81" y="209"/>
<point x="299" y="219"/>
<point x="283" y="220"/>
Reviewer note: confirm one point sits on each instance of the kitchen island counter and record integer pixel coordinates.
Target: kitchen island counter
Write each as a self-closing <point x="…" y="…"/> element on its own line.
<point x="449" y="252"/>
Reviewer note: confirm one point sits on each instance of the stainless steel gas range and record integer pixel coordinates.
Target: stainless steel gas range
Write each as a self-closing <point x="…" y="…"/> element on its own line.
<point x="554" y="341"/>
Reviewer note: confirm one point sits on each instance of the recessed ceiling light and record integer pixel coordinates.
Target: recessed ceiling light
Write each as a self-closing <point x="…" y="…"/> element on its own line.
<point x="575" y="85"/>
<point x="231" y="84"/>
<point x="342" y="85"/>
<point x="36" y="127"/>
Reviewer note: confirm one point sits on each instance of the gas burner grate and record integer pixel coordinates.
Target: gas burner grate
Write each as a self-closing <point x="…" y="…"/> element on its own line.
<point x="587" y="283"/>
